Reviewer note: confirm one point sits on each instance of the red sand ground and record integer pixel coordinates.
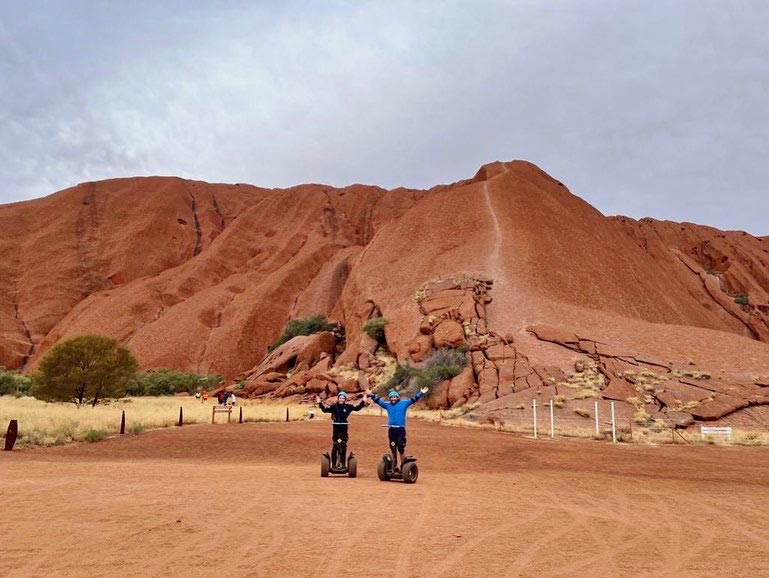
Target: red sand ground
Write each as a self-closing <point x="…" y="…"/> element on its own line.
<point x="248" y="500"/>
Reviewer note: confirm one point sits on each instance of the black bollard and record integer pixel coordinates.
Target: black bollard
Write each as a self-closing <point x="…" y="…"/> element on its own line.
<point x="11" y="435"/>
<point x="181" y="416"/>
<point x="122" y="423"/>
<point x="286" y="414"/>
<point x="240" y="418"/>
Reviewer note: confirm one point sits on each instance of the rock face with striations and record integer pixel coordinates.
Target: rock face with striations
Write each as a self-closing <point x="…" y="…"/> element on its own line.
<point x="550" y="297"/>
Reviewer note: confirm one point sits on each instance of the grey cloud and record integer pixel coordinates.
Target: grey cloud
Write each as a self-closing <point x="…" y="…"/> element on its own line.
<point x="652" y="108"/>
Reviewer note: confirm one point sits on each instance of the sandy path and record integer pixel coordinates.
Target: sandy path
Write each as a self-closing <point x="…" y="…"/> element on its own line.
<point x="248" y="500"/>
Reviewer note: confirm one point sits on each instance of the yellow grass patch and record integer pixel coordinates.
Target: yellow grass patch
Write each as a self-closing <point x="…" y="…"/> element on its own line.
<point x="47" y="424"/>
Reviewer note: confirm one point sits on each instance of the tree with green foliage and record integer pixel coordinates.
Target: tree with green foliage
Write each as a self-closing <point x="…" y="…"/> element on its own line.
<point x="85" y="369"/>
<point x="306" y="326"/>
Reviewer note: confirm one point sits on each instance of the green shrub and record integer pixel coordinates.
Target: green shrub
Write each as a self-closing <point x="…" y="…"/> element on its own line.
<point x="95" y="435"/>
<point x="375" y="328"/>
<point x="171" y="382"/>
<point x="137" y="428"/>
<point x="14" y="383"/>
<point x="307" y="326"/>
<point x="440" y="365"/>
<point x="741" y="299"/>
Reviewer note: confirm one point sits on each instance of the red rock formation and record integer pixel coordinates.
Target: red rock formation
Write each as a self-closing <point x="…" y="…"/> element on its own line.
<point x="203" y="277"/>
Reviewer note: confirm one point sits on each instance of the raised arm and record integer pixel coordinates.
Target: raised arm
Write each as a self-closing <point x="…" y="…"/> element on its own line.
<point x="377" y="400"/>
<point x="419" y="395"/>
<point x="360" y="405"/>
<point x="322" y="407"/>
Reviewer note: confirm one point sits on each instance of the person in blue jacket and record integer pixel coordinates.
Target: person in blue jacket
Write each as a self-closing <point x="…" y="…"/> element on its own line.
<point x="396" y="420"/>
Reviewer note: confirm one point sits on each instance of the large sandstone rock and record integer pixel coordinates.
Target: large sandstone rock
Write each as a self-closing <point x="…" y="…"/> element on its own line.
<point x="203" y="277"/>
<point x="298" y="354"/>
<point x="449" y="334"/>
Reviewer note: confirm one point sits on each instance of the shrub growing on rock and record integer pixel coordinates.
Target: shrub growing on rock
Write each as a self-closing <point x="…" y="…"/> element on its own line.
<point x="440" y="365"/>
<point x="306" y="326"/>
<point x="741" y="299"/>
<point x="375" y="328"/>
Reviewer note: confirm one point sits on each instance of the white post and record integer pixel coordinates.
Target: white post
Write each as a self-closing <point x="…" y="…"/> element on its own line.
<point x="552" y="430"/>
<point x="597" y="429"/>
<point x="534" y="405"/>
<point x="613" y="426"/>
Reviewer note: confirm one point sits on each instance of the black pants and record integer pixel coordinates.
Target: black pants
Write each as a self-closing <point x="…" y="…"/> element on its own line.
<point x="397" y="437"/>
<point x="339" y="450"/>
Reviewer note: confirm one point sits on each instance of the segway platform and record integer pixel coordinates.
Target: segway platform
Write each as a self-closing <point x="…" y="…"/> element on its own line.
<point x="408" y="473"/>
<point x="328" y="469"/>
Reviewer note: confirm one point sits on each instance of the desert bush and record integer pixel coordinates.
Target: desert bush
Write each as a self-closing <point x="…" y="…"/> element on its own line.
<point x="641" y="417"/>
<point x="137" y="428"/>
<point x="582" y="412"/>
<point x="375" y="328"/>
<point x="741" y="299"/>
<point x="95" y="435"/>
<point x="14" y="383"/>
<point x="170" y="382"/>
<point x="306" y="326"/>
<point x="440" y="365"/>
<point x="85" y="369"/>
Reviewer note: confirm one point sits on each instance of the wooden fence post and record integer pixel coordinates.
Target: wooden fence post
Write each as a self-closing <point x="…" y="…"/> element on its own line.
<point x="11" y="435"/>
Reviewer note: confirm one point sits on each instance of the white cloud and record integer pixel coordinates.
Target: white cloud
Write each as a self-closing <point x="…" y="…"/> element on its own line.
<point x="642" y="108"/>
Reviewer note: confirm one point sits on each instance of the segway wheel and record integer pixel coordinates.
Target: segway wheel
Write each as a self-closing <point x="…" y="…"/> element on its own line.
<point x="382" y="473"/>
<point x="352" y="467"/>
<point x="325" y="466"/>
<point x="410" y="473"/>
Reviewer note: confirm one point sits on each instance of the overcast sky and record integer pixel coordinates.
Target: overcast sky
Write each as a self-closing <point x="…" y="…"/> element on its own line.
<point x="647" y="108"/>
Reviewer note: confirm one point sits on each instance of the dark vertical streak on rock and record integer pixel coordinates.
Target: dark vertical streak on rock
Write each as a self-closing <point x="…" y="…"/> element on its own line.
<point x="27" y="334"/>
<point x="218" y="212"/>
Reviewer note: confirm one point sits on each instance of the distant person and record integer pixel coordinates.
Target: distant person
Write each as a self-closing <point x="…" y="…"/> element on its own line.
<point x="396" y="420"/>
<point x="232" y="398"/>
<point x="205" y="397"/>
<point x="197" y="395"/>
<point x="221" y="397"/>
<point x="340" y="411"/>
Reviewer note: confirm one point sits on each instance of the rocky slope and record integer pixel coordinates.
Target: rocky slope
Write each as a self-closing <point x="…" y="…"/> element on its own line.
<point x="551" y="298"/>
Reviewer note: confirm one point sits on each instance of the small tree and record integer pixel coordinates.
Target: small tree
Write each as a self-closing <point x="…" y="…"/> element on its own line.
<point x="87" y="368"/>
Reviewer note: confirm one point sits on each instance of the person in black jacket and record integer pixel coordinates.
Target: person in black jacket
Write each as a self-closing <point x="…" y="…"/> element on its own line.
<point x="340" y="411"/>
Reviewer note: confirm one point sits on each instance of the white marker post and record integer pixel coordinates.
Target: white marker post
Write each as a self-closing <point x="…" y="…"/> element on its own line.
<point x="613" y="426"/>
<point x="597" y="430"/>
<point x="534" y="405"/>
<point x="552" y="429"/>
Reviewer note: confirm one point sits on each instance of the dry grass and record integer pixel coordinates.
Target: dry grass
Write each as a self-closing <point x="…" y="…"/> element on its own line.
<point x="48" y="424"/>
<point x="589" y="382"/>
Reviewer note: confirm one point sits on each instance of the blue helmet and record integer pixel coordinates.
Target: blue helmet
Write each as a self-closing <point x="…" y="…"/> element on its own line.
<point x="342" y="394"/>
<point x="393" y="394"/>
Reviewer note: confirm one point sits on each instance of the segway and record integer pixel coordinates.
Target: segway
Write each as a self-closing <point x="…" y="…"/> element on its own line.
<point x="329" y="467"/>
<point x="408" y="474"/>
